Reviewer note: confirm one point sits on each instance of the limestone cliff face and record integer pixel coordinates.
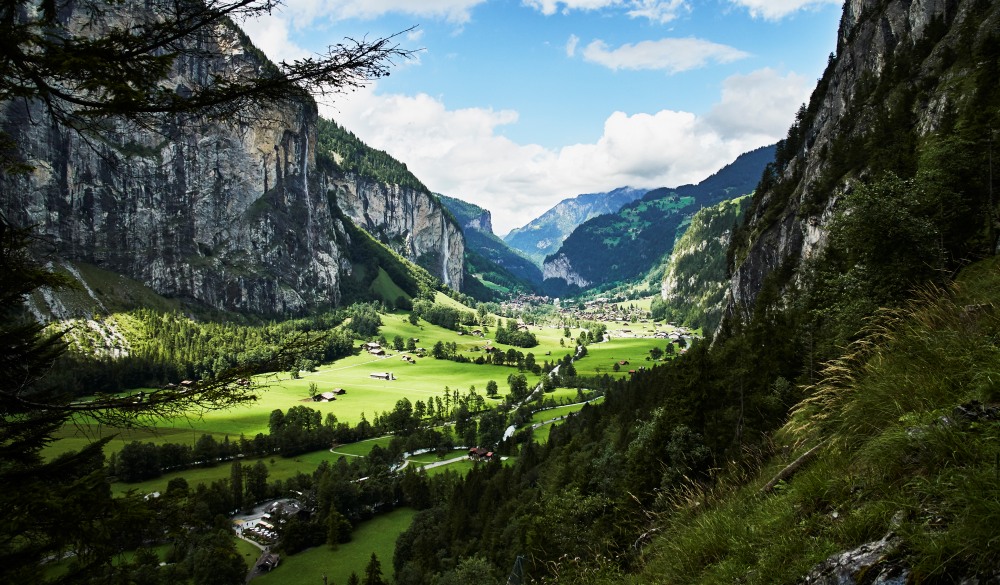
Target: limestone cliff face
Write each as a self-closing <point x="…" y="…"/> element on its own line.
<point x="559" y="266"/>
<point x="873" y="34"/>
<point x="409" y="221"/>
<point x="233" y="214"/>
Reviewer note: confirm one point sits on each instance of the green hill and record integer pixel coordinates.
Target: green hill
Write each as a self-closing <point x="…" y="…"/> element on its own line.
<point x="488" y="258"/>
<point x="695" y="280"/>
<point x="623" y="245"/>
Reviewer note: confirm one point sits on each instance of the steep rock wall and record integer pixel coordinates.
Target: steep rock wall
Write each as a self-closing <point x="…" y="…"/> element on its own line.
<point x="409" y="221"/>
<point x="232" y="214"/>
<point x="872" y="33"/>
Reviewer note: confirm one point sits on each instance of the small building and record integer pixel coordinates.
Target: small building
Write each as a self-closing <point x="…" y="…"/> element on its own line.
<point x="480" y="454"/>
<point x="382" y="376"/>
<point x="338" y="391"/>
<point x="268" y="562"/>
<point x="324" y="397"/>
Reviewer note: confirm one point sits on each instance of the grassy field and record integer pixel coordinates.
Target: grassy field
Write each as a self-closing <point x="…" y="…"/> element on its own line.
<point x="377" y="535"/>
<point x="365" y="396"/>
<point x="601" y="357"/>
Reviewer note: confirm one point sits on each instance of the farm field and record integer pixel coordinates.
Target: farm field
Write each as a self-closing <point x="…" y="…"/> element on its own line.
<point x="601" y="357"/>
<point x="365" y="396"/>
<point x="377" y="535"/>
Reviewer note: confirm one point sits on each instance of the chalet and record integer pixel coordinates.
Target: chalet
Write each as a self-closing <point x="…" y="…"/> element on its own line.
<point x="382" y="376"/>
<point x="480" y="454"/>
<point x="324" y="397"/>
<point x="268" y="562"/>
<point x="477" y="332"/>
<point x="378" y="351"/>
<point x="339" y="391"/>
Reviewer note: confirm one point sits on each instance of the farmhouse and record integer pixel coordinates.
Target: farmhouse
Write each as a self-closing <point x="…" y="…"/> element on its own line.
<point x="382" y="376"/>
<point x="480" y="454"/>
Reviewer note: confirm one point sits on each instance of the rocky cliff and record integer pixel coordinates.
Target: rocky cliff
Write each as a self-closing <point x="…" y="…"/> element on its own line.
<point x="232" y="214"/>
<point x="903" y="71"/>
<point x="410" y="221"/>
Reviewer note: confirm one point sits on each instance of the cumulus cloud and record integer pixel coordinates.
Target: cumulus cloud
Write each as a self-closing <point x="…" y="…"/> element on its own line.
<point x="303" y="12"/>
<point x="672" y="54"/>
<point x="778" y="9"/>
<point x="462" y="153"/>
<point x="662" y="11"/>
<point x="270" y="34"/>
<point x="760" y="103"/>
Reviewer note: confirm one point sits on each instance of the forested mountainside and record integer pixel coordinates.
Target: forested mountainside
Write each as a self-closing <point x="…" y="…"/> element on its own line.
<point x="880" y="194"/>
<point x="543" y="235"/>
<point x="625" y="244"/>
<point x="488" y="258"/>
<point x="695" y="282"/>
<point x="234" y="213"/>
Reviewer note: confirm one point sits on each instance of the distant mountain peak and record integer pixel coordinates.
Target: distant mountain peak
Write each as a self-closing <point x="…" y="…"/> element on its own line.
<point x="544" y="234"/>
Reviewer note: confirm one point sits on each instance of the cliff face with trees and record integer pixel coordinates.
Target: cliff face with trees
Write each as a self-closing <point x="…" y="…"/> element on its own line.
<point x="907" y="93"/>
<point x="230" y="211"/>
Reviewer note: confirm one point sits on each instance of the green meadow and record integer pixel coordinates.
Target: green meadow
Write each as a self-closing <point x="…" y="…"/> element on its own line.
<point x="365" y="397"/>
<point x="377" y="535"/>
<point x="601" y="357"/>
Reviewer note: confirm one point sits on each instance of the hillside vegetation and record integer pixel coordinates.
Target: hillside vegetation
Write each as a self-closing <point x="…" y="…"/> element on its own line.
<point x="906" y="426"/>
<point x="624" y="245"/>
<point x="501" y="269"/>
<point x="695" y="280"/>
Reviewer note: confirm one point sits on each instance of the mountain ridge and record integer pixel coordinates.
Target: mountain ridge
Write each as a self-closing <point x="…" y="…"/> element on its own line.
<point x="626" y="244"/>
<point x="240" y="217"/>
<point x="543" y="235"/>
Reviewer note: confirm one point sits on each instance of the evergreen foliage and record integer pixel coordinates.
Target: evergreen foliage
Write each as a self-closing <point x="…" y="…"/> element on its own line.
<point x="346" y="152"/>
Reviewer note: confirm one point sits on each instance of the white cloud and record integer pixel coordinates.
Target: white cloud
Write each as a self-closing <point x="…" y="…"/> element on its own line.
<point x="461" y="153"/>
<point x="571" y="45"/>
<point x="304" y="12"/>
<point x="761" y="103"/>
<point x="662" y="11"/>
<point x="270" y="34"/>
<point x="672" y="54"/>
<point x="778" y="9"/>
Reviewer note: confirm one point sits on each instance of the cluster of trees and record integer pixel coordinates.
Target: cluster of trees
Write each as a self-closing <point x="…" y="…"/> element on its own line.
<point x="299" y="430"/>
<point x="512" y="335"/>
<point x="442" y="315"/>
<point x="166" y="348"/>
<point x="357" y="157"/>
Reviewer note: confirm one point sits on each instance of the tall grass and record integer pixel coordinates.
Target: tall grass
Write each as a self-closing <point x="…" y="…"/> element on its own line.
<point x="897" y="454"/>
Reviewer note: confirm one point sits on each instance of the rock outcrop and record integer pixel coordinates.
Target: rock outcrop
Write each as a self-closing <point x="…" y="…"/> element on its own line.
<point x="411" y="222"/>
<point x="232" y="214"/>
<point x="559" y="267"/>
<point x="790" y="225"/>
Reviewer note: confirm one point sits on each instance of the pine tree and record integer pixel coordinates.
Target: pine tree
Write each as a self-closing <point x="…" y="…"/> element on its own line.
<point x="373" y="572"/>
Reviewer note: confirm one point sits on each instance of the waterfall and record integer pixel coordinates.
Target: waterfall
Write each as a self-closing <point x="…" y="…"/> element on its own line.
<point x="305" y="166"/>
<point x="444" y="255"/>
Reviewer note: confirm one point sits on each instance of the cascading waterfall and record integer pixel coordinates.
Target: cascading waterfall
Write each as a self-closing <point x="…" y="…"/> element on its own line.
<point x="444" y="254"/>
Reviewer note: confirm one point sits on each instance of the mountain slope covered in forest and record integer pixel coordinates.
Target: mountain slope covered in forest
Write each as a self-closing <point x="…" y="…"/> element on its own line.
<point x="544" y="234"/>
<point x="488" y="258"/>
<point x="620" y="246"/>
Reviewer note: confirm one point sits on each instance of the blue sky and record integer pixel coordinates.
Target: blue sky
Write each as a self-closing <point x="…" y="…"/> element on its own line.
<point x="517" y="104"/>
